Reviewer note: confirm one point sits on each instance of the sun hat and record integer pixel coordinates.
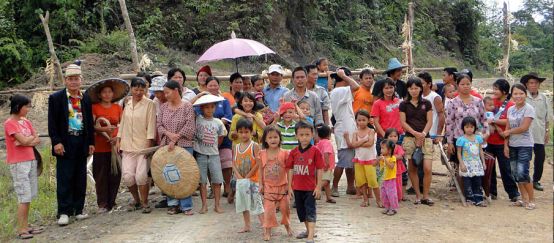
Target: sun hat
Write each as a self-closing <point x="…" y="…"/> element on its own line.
<point x="276" y="68"/>
<point x="336" y="77"/>
<point x="119" y="86"/>
<point x="175" y="172"/>
<point x="286" y="106"/>
<point x="156" y="73"/>
<point x="207" y="99"/>
<point x="158" y="83"/>
<point x="394" y="64"/>
<point x="531" y="75"/>
<point x="205" y="69"/>
<point x="72" y="70"/>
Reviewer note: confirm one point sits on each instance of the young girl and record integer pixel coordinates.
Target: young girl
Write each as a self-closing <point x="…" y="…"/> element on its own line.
<point x="323" y="67"/>
<point x="324" y="145"/>
<point x="472" y="161"/>
<point x="365" y="172"/>
<point x="247" y="108"/>
<point x="20" y="140"/>
<point x="387" y="163"/>
<point x="392" y="135"/>
<point x="273" y="181"/>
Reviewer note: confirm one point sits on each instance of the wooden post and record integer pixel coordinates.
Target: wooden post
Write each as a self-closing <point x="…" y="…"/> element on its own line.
<point x="56" y="62"/>
<point x="505" y="65"/>
<point x="132" y="40"/>
<point x="410" y="35"/>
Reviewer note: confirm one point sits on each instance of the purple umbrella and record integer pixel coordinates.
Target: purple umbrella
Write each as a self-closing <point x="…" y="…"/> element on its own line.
<point x="233" y="49"/>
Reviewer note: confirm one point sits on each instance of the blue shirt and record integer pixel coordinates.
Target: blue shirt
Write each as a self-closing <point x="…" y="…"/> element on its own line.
<point x="323" y="82"/>
<point x="272" y="96"/>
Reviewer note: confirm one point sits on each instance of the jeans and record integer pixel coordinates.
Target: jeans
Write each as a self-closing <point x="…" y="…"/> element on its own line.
<point x="520" y="157"/>
<point x="539" y="161"/>
<point x="472" y="189"/>
<point x="505" y="172"/>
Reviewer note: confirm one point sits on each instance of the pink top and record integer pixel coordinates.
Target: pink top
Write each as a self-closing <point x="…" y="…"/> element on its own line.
<point x="399" y="153"/>
<point x="180" y="121"/>
<point x="325" y="146"/>
<point x="389" y="114"/>
<point x="17" y="153"/>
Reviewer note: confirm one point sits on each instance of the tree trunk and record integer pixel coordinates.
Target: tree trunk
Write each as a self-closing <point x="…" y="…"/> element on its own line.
<point x="410" y="37"/>
<point x="56" y="62"/>
<point x="102" y="19"/>
<point x="505" y="65"/>
<point x="132" y="40"/>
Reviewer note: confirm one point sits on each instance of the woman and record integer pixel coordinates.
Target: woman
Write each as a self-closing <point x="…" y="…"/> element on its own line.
<point x="224" y="113"/>
<point x="495" y="142"/>
<point x="201" y="77"/>
<point x="137" y="131"/>
<point x="176" y="127"/>
<point x="107" y="181"/>
<point x="420" y="114"/>
<point x="236" y="86"/>
<point x="20" y="140"/>
<point x="386" y="114"/>
<point x="463" y="105"/>
<point x="176" y="74"/>
<point x="519" y="146"/>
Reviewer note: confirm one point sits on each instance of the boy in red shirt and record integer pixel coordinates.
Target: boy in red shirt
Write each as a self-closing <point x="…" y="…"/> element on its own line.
<point x="305" y="165"/>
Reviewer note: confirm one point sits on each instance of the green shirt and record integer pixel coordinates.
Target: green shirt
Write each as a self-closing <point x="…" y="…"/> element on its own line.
<point x="288" y="137"/>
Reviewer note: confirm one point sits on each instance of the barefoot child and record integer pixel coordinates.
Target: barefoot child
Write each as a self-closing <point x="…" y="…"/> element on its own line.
<point x="245" y="169"/>
<point x="305" y="165"/>
<point x="273" y="181"/>
<point x="392" y="134"/>
<point x="472" y="162"/>
<point x="365" y="159"/>
<point x="387" y="163"/>
<point x="209" y="134"/>
<point x="286" y="126"/>
<point x="326" y="148"/>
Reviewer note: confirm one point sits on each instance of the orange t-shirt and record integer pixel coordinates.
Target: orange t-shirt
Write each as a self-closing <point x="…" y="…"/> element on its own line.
<point x="113" y="114"/>
<point x="363" y="99"/>
<point x="245" y="160"/>
<point x="274" y="171"/>
<point x="230" y="98"/>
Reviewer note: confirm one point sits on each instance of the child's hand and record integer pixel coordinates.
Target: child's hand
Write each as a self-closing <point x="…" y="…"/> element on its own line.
<point x="234" y="135"/>
<point x="463" y="167"/>
<point x="291" y="194"/>
<point x="345" y="135"/>
<point x="317" y="193"/>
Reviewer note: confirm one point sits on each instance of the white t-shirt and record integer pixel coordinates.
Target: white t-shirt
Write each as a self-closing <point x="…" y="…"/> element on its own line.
<point x="515" y="118"/>
<point x="431" y="98"/>
<point x="341" y="105"/>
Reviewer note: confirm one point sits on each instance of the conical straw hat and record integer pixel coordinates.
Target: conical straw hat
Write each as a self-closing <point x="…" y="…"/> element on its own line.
<point x="175" y="173"/>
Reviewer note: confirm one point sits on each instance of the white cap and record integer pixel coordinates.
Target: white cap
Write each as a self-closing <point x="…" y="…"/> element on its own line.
<point x="73" y="70"/>
<point x="276" y="68"/>
<point x="209" y="98"/>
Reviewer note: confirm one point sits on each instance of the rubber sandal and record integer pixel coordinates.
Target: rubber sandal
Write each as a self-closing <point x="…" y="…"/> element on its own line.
<point x="391" y="212"/>
<point x="173" y="211"/>
<point x="481" y="204"/>
<point x="188" y="212"/>
<point x="385" y="211"/>
<point x="24" y="236"/>
<point x="518" y="203"/>
<point x="331" y="201"/>
<point x="302" y="235"/>
<point x="427" y="202"/>
<point x="530" y="206"/>
<point x="36" y="230"/>
<point x="146" y="210"/>
<point x="417" y="202"/>
<point x="133" y="207"/>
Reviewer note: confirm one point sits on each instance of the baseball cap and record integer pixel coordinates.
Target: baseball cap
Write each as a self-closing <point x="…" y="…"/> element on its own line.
<point x="276" y="68"/>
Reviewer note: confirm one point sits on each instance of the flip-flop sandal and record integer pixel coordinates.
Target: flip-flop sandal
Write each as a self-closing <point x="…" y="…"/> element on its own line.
<point x="331" y="201"/>
<point x="481" y="204"/>
<point x="518" y="203"/>
<point x="364" y="204"/>
<point x="417" y="202"/>
<point x="173" y="211"/>
<point x="24" y="236"/>
<point x="385" y="211"/>
<point x="530" y="206"/>
<point x="188" y="213"/>
<point x="427" y="202"/>
<point x="36" y="230"/>
<point x="133" y="207"/>
<point x="203" y="211"/>
<point x="304" y="235"/>
<point x="146" y="210"/>
<point x="391" y="213"/>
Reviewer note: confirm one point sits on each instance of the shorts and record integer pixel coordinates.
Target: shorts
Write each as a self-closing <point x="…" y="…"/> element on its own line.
<point x="305" y="206"/>
<point x="134" y="169"/>
<point x="226" y="157"/>
<point x="345" y="157"/>
<point x="520" y="157"/>
<point x="25" y="181"/>
<point x="327" y="175"/>
<point x="365" y="174"/>
<point x="410" y="146"/>
<point x="212" y="164"/>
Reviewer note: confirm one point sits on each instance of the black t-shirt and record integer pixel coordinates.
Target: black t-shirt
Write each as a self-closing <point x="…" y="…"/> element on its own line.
<point x="416" y="117"/>
<point x="400" y="89"/>
<point x="440" y="89"/>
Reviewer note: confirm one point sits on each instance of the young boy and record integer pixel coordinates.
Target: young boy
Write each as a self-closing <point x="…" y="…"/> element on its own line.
<point x="286" y="126"/>
<point x="210" y="132"/>
<point x="363" y="99"/>
<point x="305" y="165"/>
<point x="326" y="148"/>
<point x="245" y="168"/>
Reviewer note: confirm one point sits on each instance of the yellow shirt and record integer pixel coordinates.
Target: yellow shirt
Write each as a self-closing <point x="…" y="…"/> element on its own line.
<point x="138" y="125"/>
<point x="389" y="173"/>
<point x="257" y="131"/>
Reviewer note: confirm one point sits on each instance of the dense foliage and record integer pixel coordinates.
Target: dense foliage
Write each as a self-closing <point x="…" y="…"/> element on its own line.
<point x="351" y="32"/>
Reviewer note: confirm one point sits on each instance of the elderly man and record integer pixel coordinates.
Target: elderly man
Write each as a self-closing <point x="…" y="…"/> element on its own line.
<point x="70" y="127"/>
<point x="320" y="91"/>
<point x="301" y="93"/>
<point x="273" y="92"/>
<point x="540" y="125"/>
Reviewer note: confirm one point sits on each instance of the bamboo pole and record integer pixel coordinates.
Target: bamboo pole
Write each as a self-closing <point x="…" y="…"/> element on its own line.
<point x="410" y="38"/>
<point x="57" y="66"/>
<point x="504" y="67"/>
<point x="132" y="39"/>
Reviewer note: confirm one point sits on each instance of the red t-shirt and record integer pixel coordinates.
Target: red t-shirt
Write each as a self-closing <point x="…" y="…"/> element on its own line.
<point x="389" y="114"/>
<point x="305" y="165"/>
<point x="325" y="146"/>
<point x="15" y="153"/>
<point x="113" y="114"/>
<point x="495" y="137"/>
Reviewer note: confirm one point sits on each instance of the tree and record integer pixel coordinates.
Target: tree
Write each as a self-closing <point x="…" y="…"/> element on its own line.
<point x="132" y="39"/>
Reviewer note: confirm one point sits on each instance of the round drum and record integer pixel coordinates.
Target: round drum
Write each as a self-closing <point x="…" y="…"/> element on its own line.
<point x="175" y="173"/>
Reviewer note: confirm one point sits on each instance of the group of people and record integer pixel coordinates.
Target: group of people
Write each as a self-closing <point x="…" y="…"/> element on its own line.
<point x="267" y="144"/>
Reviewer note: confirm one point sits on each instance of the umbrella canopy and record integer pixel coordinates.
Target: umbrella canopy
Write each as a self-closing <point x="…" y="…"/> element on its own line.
<point x="234" y="48"/>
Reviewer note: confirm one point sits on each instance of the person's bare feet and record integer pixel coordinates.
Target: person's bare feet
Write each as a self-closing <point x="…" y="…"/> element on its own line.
<point x="379" y="204"/>
<point x="364" y="204"/>
<point x="203" y="210"/>
<point x="218" y="210"/>
<point x="244" y="230"/>
<point x="290" y="233"/>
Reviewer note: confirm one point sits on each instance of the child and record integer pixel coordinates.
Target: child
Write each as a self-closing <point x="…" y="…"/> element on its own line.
<point x="387" y="163"/>
<point x="247" y="84"/>
<point x="286" y="126"/>
<point x="392" y="135"/>
<point x="326" y="148"/>
<point x="449" y="94"/>
<point x="273" y="181"/>
<point x="209" y="135"/>
<point x="247" y="107"/>
<point x="305" y="165"/>
<point x="303" y="108"/>
<point x="245" y="169"/>
<point x="323" y="67"/>
<point x="20" y="140"/>
<point x="472" y="162"/>
<point x="365" y="172"/>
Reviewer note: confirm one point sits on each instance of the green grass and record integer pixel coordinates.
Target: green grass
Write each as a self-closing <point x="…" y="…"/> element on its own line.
<point x="43" y="208"/>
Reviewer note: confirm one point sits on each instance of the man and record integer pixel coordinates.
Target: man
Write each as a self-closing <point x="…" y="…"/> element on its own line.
<point x="394" y="71"/>
<point x="448" y="77"/>
<point x="273" y="92"/>
<point x="301" y="93"/>
<point x="341" y="105"/>
<point x="363" y="99"/>
<point x="320" y="91"/>
<point x="70" y="127"/>
<point x="540" y="125"/>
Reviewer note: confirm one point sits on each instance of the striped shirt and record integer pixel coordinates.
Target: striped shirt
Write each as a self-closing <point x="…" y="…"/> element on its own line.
<point x="288" y="137"/>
